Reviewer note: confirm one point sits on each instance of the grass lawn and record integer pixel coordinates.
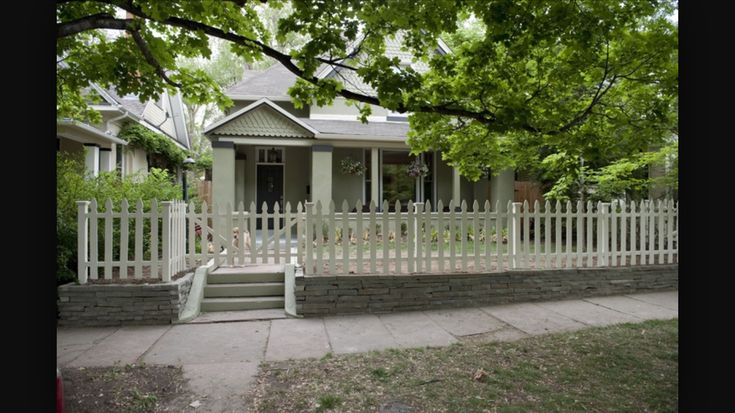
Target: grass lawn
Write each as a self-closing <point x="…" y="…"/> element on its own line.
<point x="622" y="368"/>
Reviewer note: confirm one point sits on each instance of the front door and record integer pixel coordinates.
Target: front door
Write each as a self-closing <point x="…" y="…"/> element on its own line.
<point x="270" y="189"/>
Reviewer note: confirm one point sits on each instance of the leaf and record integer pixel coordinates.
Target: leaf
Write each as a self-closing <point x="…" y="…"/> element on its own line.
<point x="480" y="375"/>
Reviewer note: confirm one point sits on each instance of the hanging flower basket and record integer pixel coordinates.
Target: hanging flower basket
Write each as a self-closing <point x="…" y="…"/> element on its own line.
<point x="350" y="166"/>
<point x="417" y="169"/>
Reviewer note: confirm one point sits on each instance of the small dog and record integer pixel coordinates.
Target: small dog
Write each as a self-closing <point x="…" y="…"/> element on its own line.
<point x="235" y="240"/>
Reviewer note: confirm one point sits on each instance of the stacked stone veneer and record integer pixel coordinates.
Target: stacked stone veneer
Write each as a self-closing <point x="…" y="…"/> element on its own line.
<point x="122" y="304"/>
<point x="325" y="295"/>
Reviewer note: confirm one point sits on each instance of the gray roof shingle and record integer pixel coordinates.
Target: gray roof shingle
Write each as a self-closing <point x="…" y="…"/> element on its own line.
<point x="272" y="83"/>
<point x="130" y="103"/>
<point x="347" y="127"/>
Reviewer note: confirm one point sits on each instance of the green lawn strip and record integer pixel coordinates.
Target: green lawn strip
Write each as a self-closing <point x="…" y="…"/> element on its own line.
<point x="622" y="368"/>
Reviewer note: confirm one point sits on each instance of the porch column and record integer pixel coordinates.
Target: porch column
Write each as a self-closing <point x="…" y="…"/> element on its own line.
<point x="455" y="188"/>
<point x="374" y="177"/>
<point x="92" y="158"/>
<point x="223" y="173"/>
<point x="321" y="174"/>
<point x="502" y="188"/>
<point x="106" y="160"/>
<point x="240" y="180"/>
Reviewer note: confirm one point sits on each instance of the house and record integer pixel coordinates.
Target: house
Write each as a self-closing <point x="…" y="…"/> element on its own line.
<point x="104" y="150"/>
<point x="266" y="150"/>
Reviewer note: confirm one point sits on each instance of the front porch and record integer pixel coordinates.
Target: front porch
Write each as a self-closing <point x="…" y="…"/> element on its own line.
<point x="265" y="154"/>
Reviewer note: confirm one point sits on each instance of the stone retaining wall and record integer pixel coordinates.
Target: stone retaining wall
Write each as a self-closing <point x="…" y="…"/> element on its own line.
<point x="122" y="304"/>
<point x="327" y="295"/>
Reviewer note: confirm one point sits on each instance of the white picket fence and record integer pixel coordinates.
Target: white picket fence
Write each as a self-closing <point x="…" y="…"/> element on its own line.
<point x="408" y="238"/>
<point x="462" y="240"/>
<point x="163" y="257"/>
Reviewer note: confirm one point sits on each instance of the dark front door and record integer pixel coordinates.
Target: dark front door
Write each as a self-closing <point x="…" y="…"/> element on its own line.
<point x="270" y="189"/>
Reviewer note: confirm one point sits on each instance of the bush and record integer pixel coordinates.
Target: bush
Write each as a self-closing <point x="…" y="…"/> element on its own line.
<point x="72" y="185"/>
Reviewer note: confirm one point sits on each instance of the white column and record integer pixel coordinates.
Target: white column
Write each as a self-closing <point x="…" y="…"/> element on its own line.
<point x="92" y="158"/>
<point x="502" y="187"/>
<point x="455" y="188"/>
<point x="107" y="162"/>
<point x="223" y="173"/>
<point x="240" y="181"/>
<point x="321" y="174"/>
<point x="374" y="176"/>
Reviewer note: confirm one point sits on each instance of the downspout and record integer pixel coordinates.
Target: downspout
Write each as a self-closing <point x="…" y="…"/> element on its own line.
<point x="125" y="114"/>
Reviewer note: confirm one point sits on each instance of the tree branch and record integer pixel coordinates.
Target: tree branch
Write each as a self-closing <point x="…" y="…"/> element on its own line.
<point x="143" y="46"/>
<point x="105" y="21"/>
<point x="95" y="21"/>
<point x="599" y="93"/>
<point x="286" y="61"/>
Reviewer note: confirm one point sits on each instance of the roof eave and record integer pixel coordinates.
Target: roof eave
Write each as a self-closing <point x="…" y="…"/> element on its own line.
<point x="91" y="130"/>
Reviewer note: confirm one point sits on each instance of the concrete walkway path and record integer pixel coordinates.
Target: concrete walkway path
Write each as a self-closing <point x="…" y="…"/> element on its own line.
<point x="220" y="359"/>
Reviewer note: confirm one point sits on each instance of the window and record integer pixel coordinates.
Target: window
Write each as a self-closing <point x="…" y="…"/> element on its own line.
<point x="119" y="160"/>
<point x="270" y="155"/>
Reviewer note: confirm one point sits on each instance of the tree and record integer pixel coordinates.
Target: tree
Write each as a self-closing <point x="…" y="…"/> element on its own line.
<point x="570" y="79"/>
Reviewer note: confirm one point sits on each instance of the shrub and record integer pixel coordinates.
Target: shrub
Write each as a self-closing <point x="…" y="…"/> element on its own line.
<point x="73" y="184"/>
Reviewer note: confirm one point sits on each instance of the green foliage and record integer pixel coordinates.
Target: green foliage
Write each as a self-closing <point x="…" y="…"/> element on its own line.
<point x="73" y="185"/>
<point x="139" y="136"/>
<point x="525" y="80"/>
<point x="328" y="402"/>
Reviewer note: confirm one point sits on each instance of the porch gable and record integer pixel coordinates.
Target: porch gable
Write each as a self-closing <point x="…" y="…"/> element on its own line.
<point x="262" y="118"/>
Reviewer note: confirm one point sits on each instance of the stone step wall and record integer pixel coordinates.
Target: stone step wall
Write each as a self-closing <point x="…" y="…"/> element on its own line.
<point x="350" y="294"/>
<point x="122" y="304"/>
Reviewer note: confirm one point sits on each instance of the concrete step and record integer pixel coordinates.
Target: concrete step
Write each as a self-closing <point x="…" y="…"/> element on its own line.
<point x="250" y="269"/>
<point x="244" y="289"/>
<point x="257" y="273"/>
<point x="241" y="303"/>
<point x="235" y="278"/>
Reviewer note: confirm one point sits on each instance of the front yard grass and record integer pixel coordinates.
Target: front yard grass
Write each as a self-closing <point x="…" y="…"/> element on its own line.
<point x="622" y="368"/>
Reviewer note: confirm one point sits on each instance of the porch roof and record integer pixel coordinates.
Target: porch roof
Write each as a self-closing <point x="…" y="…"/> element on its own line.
<point x="264" y="119"/>
<point x="327" y="127"/>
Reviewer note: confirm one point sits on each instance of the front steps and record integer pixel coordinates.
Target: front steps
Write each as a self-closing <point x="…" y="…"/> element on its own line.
<point x="251" y="287"/>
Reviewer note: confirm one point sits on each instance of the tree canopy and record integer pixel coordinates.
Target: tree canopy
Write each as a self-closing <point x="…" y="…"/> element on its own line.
<point x="538" y="85"/>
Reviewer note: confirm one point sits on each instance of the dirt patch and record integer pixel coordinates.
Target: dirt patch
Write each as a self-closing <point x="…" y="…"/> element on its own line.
<point x="146" y="279"/>
<point x="130" y="388"/>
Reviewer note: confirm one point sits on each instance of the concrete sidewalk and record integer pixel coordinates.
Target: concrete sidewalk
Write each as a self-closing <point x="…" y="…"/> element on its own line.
<point x="221" y="359"/>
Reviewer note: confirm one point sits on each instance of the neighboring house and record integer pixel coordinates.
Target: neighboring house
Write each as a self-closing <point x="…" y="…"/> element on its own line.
<point x="103" y="149"/>
<point x="266" y="150"/>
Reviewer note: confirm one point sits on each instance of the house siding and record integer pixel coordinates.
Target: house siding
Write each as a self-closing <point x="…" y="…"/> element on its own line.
<point x="339" y="107"/>
<point x="135" y="161"/>
<point x="346" y="187"/>
<point x="156" y="116"/>
<point x="297" y="175"/>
